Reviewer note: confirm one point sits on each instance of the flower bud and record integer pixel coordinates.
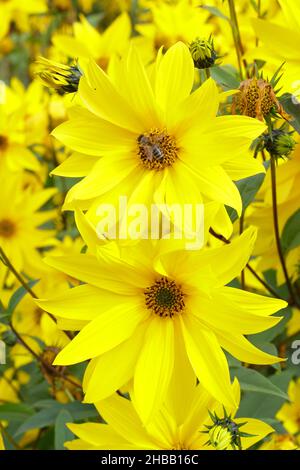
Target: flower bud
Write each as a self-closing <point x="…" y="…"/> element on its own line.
<point x="203" y="53"/>
<point x="63" y="78"/>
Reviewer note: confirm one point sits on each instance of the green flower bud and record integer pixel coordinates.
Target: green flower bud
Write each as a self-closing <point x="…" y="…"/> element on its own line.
<point x="203" y="53"/>
<point x="281" y="144"/>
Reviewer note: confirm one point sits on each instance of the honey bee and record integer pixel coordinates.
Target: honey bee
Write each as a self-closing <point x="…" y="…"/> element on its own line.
<point x="152" y="150"/>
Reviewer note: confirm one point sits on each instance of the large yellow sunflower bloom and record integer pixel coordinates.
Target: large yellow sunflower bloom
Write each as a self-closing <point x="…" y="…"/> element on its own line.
<point x="179" y="425"/>
<point x="199" y="152"/>
<point x="138" y="302"/>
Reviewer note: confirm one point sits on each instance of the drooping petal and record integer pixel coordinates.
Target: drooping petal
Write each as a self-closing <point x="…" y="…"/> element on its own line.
<point x="122" y="417"/>
<point x="240" y="348"/>
<point x="154" y="367"/>
<point x="207" y="359"/>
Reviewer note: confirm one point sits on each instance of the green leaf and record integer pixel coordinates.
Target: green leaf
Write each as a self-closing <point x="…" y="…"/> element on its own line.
<point x="290" y="237"/>
<point x="216" y="12"/>
<point x="47" y="416"/>
<point x="15" y="412"/>
<point x="248" y="188"/>
<point x="43" y="418"/>
<point x="62" y="433"/>
<point x="18" y="296"/>
<point x="258" y="405"/>
<point x="225" y="76"/>
<point x="292" y="107"/>
<point x="252" y="381"/>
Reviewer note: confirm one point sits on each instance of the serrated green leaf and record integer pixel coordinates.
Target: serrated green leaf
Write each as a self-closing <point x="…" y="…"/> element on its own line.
<point x="62" y="433"/>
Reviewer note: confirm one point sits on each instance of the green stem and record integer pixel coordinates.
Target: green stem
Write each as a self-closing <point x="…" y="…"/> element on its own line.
<point x="237" y="37"/>
<point x="207" y="73"/>
<point x="16" y="274"/>
<point x="277" y="231"/>
<point x="248" y="266"/>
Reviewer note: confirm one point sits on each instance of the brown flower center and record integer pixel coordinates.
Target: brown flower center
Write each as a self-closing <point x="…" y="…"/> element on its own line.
<point x="164" y="298"/>
<point x="157" y="149"/>
<point x="3" y="143"/>
<point x="7" y="228"/>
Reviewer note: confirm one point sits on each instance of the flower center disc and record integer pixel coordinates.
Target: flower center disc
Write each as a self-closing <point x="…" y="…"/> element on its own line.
<point x="157" y="150"/>
<point x="7" y="228"/>
<point x="164" y="298"/>
<point x="3" y="143"/>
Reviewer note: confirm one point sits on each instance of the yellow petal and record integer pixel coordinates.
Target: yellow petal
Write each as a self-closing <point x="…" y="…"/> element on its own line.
<point x="154" y="367"/>
<point x="207" y="359"/>
<point x="104" y="333"/>
<point x="116" y="365"/>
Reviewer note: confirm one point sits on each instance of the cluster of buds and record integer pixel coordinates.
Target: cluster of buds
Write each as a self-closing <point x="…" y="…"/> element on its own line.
<point x="63" y="78"/>
<point x="203" y="53"/>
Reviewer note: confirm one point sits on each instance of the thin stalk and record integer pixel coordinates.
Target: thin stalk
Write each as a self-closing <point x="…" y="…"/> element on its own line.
<point x="16" y="274"/>
<point x="47" y="366"/>
<point x="237" y="37"/>
<point x="248" y="266"/>
<point x="207" y="73"/>
<point x="277" y="231"/>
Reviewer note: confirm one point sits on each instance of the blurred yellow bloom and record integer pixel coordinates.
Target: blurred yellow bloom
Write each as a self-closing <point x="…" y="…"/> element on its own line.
<point x="87" y="42"/>
<point x="280" y="442"/>
<point x="20" y="221"/>
<point x="17" y="11"/>
<point x="289" y="414"/>
<point x="175" y="22"/>
<point x="280" y="43"/>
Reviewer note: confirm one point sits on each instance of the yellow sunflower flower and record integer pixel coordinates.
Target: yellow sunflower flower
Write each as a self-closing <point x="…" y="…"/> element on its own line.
<point x="151" y="297"/>
<point x="1" y="442"/>
<point x="14" y="153"/>
<point x="20" y="221"/>
<point x="280" y="442"/>
<point x="280" y="43"/>
<point x="289" y="414"/>
<point x="181" y="424"/>
<point x="88" y="42"/>
<point x="14" y="10"/>
<point x="126" y="115"/>
<point x="173" y="22"/>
